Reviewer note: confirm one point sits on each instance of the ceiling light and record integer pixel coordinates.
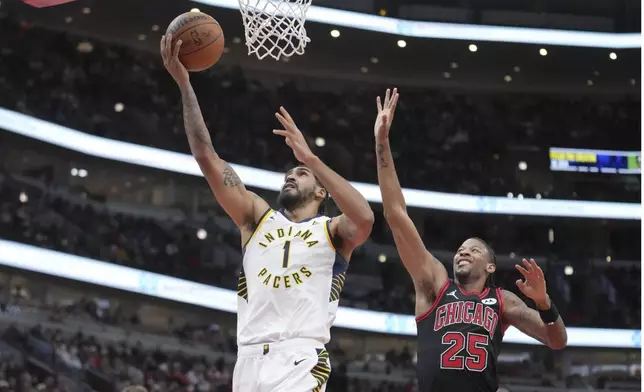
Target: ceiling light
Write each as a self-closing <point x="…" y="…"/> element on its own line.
<point x="382" y="257"/>
<point x="507" y="78"/>
<point x="118" y="107"/>
<point x="374" y="60"/>
<point x="516" y="68"/>
<point x="453" y="65"/>
<point x="87" y="10"/>
<point x="195" y="10"/>
<point x="569" y="270"/>
<point x="589" y="82"/>
<point x="473" y="48"/>
<point x="523" y="165"/>
<point x="23" y="197"/>
<point x="335" y="33"/>
<point x="319" y="141"/>
<point x="202" y="234"/>
<point x="613" y="56"/>
<point x="543" y="52"/>
<point x="402" y="43"/>
<point x="447" y="75"/>
<point x="155" y="27"/>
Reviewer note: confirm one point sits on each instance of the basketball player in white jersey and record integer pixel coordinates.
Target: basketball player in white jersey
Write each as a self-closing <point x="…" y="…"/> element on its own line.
<point x="294" y="260"/>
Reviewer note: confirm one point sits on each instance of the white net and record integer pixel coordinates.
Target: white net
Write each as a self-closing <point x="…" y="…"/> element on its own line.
<point x="275" y="27"/>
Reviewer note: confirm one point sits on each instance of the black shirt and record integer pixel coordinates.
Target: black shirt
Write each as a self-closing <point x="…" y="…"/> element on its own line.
<point x="459" y="340"/>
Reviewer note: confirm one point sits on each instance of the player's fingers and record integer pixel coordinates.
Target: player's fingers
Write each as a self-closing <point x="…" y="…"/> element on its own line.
<point x="286" y="114"/>
<point x="280" y="132"/>
<point x="284" y="122"/>
<point x="177" y="48"/>
<point x="168" y="44"/>
<point x="394" y="103"/>
<point x="379" y="104"/>
<point x="393" y="96"/>
<point x="387" y="97"/>
<point x="528" y="266"/>
<point x="521" y="285"/>
<point x="162" y="47"/>
<point x="522" y="270"/>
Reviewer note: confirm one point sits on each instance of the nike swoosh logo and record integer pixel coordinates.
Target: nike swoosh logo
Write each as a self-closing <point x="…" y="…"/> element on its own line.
<point x="299" y="362"/>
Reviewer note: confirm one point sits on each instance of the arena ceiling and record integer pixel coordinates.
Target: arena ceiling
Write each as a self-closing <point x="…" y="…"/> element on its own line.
<point x="359" y="55"/>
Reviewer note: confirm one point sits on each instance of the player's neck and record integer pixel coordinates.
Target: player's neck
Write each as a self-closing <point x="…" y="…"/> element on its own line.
<point x="470" y="287"/>
<point x="301" y="213"/>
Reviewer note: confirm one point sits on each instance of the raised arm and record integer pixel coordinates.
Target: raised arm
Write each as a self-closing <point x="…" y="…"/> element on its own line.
<point x="354" y="225"/>
<point x="428" y="274"/>
<point x="544" y="325"/>
<point x="244" y="207"/>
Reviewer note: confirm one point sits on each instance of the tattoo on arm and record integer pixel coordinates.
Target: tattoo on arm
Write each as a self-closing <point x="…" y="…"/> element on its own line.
<point x="231" y="179"/>
<point x="380" y="149"/>
<point x="193" y="122"/>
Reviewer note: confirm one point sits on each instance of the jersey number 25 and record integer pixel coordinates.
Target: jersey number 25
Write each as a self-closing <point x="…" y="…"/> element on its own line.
<point x="475" y="346"/>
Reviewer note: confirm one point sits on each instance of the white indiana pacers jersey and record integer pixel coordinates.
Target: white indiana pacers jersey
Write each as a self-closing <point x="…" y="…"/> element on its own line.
<point x="290" y="283"/>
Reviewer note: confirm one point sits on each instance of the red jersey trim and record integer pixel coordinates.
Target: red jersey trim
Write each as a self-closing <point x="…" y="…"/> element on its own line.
<point x="499" y="295"/>
<point x="441" y="292"/>
<point x="480" y="295"/>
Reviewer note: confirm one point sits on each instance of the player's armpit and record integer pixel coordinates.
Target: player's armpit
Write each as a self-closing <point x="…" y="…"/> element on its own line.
<point x="527" y="320"/>
<point x="426" y="271"/>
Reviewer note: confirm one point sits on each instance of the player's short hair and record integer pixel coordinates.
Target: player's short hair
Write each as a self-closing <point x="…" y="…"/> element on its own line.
<point x="489" y="282"/>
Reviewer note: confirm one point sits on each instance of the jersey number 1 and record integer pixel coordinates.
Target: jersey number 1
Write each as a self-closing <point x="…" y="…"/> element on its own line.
<point x="476" y="348"/>
<point x="287" y="250"/>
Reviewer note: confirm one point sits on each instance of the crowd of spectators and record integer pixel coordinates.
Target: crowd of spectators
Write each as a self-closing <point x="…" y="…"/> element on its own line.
<point x="470" y="136"/>
<point x="41" y="217"/>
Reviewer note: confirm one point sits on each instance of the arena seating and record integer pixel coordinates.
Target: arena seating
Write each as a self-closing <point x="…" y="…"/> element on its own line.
<point x="435" y="129"/>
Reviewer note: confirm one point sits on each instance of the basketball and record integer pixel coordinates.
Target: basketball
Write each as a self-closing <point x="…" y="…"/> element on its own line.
<point x="202" y="40"/>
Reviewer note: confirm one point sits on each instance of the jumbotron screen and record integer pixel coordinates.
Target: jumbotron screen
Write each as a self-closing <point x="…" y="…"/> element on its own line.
<point x="595" y="161"/>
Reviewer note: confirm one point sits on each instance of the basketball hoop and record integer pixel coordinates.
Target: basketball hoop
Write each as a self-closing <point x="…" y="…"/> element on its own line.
<point x="275" y="27"/>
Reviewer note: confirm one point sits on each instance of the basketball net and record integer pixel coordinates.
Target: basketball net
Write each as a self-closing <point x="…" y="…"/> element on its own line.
<point x="275" y="28"/>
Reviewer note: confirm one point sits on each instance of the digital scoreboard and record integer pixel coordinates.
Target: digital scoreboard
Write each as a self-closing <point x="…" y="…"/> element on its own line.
<point x="595" y="161"/>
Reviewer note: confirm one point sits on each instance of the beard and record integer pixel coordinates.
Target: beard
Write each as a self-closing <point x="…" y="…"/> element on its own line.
<point x="290" y="200"/>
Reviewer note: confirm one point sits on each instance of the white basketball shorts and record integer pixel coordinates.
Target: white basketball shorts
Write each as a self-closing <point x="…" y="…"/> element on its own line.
<point x="297" y="365"/>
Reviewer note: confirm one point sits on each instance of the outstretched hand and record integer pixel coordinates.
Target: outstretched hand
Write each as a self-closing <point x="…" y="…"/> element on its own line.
<point x="534" y="284"/>
<point x="171" y="60"/>
<point x="293" y="137"/>
<point x="386" y="113"/>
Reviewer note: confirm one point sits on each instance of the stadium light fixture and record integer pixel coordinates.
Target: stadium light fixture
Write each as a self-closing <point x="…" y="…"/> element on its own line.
<point x="613" y="56"/>
<point x="402" y="43"/>
<point x="335" y="33"/>
<point x="543" y="52"/>
<point x="473" y="48"/>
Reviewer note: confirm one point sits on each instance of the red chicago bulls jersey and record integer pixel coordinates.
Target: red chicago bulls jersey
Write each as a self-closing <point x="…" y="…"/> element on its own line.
<point x="459" y="340"/>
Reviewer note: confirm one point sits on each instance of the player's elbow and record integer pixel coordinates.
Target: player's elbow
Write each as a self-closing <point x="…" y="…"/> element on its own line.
<point x="395" y="215"/>
<point x="559" y="343"/>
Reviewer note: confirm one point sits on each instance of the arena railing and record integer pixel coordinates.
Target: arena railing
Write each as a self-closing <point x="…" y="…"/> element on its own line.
<point x="82" y="269"/>
<point x="476" y="33"/>
<point x="120" y="151"/>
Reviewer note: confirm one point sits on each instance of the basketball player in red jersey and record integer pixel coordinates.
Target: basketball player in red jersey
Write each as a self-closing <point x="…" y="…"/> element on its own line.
<point x="461" y="322"/>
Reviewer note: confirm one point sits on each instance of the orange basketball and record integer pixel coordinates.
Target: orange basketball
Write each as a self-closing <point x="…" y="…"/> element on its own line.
<point x="202" y="40"/>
